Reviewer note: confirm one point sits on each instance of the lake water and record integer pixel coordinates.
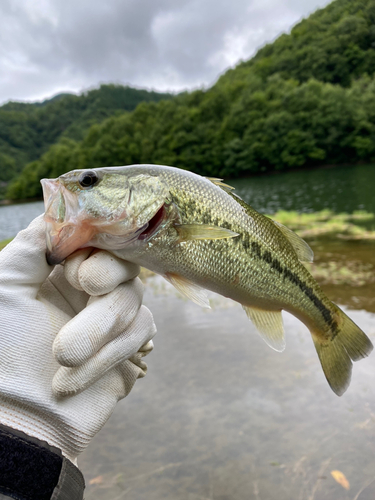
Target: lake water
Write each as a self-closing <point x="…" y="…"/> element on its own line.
<point x="221" y="416"/>
<point x="341" y="189"/>
<point x="13" y="218"/>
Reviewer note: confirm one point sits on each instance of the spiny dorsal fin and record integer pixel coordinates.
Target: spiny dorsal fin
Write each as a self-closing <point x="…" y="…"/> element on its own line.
<point x="189" y="289"/>
<point x="270" y="326"/>
<point x="303" y="251"/>
<point x="222" y="185"/>
<point x="188" y="232"/>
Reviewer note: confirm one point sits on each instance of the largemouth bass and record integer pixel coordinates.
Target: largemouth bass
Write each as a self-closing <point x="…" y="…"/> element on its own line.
<point x="199" y="235"/>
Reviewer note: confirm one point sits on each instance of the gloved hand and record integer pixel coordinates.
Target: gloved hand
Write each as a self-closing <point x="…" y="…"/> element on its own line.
<point x="87" y="318"/>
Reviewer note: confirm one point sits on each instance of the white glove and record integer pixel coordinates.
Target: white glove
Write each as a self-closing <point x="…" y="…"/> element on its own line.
<point x="96" y="333"/>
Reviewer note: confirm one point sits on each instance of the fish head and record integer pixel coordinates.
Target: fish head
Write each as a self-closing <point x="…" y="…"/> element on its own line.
<point x="102" y="207"/>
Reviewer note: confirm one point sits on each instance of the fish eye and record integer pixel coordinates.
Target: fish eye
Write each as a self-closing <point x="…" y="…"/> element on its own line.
<point x="88" y="179"/>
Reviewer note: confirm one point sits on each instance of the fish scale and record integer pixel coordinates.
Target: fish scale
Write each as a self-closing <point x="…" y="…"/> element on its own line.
<point x="223" y="260"/>
<point x="199" y="235"/>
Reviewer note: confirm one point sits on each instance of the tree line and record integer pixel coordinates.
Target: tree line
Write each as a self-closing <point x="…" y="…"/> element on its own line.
<point x="305" y="100"/>
<point x="27" y="130"/>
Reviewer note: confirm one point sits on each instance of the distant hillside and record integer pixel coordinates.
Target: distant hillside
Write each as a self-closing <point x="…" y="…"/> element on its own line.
<point x="306" y="99"/>
<point x="27" y="130"/>
<point x="335" y="44"/>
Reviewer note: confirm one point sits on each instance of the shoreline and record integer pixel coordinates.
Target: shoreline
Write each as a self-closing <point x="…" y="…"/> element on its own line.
<point x="244" y="175"/>
<point x="19" y="202"/>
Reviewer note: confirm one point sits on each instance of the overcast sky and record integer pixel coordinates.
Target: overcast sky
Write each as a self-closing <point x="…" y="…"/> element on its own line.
<point x="49" y="46"/>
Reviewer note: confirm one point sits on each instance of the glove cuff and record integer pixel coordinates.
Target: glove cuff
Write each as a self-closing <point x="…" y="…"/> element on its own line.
<point x="31" y="469"/>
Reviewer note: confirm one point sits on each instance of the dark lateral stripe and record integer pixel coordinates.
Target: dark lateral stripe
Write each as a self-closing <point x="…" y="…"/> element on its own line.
<point x="293" y="278"/>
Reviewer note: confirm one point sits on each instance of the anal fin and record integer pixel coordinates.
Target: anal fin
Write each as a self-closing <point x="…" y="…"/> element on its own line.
<point x="189" y="289"/>
<point x="270" y="326"/>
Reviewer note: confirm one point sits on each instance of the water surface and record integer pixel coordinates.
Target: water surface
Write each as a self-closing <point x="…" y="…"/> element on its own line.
<point x="221" y="416"/>
<point x="13" y="218"/>
<point x="340" y="189"/>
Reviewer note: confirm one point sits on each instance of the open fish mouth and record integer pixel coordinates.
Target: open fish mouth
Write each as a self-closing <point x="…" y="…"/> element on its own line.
<point x="69" y="229"/>
<point x="65" y="233"/>
<point x="153" y="225"/>
<point x="62" y="241"/>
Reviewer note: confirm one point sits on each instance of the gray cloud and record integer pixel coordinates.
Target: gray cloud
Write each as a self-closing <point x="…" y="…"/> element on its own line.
<point x="48" y="46"/>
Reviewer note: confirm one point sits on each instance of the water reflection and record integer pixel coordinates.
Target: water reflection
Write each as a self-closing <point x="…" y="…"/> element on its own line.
<point x="222" y="416"/>
<point x="13" y="218"/>
<point x="340" y="189"/>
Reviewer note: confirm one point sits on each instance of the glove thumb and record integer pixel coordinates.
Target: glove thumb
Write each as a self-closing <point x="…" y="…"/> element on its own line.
<point x="23" y="260"/>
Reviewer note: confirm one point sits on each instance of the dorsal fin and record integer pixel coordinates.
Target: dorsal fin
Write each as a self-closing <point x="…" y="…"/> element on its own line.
<point x="303" y="251"/>
<point x="270" y="326"/>
<point x="222" y="185"/>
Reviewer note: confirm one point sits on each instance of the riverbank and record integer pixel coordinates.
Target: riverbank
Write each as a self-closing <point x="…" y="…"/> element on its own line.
<point x="344" y="248"/>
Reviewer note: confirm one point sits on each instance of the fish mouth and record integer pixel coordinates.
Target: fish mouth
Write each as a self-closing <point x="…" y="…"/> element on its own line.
<point x="62" y="241"/>
<point x="153" y="224"/>
<point x="66" y="231"/>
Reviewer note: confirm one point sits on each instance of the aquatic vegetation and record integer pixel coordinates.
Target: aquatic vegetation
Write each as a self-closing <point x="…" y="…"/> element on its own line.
<point x="357" y="226"/>
<point x="352" y="273"/>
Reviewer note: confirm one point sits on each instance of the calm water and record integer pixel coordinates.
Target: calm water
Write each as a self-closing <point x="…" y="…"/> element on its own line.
<point x="341" y="189"/>
<point x="13" y="218"/>
<point x="221" y="416"/>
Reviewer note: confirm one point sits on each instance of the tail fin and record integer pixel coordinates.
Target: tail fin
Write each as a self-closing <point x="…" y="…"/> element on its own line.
<point x="336" y="354"/>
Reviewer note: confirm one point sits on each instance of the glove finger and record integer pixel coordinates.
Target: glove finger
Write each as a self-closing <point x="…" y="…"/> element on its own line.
<point x="72" y="265"/>
<point x="137" y="358"/>
<point x="23" y="260"/>
<point x="72" y="380"/>
<point x="102" y="320"/>
<point x="57" y="291"/>
<point x="117" y="382"/>
<point x="147" y="348"/>
<point x="100" y="273"/>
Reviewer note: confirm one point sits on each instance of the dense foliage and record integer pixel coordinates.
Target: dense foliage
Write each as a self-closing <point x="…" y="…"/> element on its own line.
<point x="28" y="130"/>
<point x="304" y="100"/>
<point x="335" y="44"/>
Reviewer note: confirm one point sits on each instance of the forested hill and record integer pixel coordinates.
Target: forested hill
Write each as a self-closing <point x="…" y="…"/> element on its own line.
<point x="306" y="99"/>
<point x="335" y="44"/>
<point x="27" y="130"/>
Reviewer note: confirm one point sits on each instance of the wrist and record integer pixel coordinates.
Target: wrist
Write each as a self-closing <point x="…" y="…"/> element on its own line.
<point x="38" y="423"/>
<point x="31" y="469"/>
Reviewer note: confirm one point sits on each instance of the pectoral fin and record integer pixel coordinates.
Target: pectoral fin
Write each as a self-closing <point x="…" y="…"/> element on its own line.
<point x="270" y="326"/>
<point x="302" y="249"/>
<point x="189" y="289"/>
<point x="188" y="232"/>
